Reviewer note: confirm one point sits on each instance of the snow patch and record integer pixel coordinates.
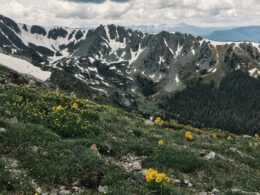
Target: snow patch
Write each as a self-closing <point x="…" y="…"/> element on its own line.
<point x="97" y="89"/>
<point x="166" y="44"/>
<point x="24" y="67"/>
<point x="135" y="55"/>
<point x="254" y="72"/>
<point x="177" y="78"/>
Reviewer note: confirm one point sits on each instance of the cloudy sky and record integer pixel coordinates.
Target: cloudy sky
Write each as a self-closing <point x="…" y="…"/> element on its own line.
<point x="80" y="13"/>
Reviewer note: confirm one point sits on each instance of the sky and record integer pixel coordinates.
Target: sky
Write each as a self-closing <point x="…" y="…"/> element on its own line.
<point x="81" y="13"/>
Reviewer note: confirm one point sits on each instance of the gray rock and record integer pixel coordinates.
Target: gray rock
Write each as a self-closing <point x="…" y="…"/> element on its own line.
<point x="31" y="82"/>
<point x="215" y="192"/>
<point x="202" y="193"/>
<point x="149" y="123"/>
<point x="14" y="164"/>
<point x="35" y="149"/>
<point x="2" y="130"/>
<point x="54" y="192"/>
<point x="64" y="192"/>
<point x="103" y="189"/>
<point x="13" y="120"/>
<point x="176" y="181"/>
<point x="137" y="166"/>
<point x="38" y="190"/>
<point x="62" y="188"/>
<point x="210" y="156"/>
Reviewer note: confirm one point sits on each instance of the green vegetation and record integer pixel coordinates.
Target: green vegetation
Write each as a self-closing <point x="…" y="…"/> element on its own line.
<point x="3" y="70"/>
<point x="51" y="135"/>
<point x="233" y="105"/>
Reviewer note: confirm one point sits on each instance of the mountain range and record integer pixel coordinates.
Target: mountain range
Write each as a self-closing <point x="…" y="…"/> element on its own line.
<point x="250" y="33"/>
<point x="152" y="73"/>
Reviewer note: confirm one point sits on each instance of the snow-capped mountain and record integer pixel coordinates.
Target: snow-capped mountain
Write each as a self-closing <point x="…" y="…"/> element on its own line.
<point x="124" y="64"/>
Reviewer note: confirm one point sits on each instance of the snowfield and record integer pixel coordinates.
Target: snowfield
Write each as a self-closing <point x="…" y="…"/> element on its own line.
<point x="24" y="67"/>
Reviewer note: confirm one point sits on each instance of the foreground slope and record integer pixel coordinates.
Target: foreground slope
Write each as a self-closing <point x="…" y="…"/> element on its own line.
<point x="49" y="140"/>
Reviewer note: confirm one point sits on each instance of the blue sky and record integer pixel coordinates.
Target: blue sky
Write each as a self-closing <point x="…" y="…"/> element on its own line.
<point x="80" y="13"/>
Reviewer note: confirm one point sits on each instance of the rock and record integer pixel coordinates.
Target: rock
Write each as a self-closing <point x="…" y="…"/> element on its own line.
<point x="62" y="188"/>
<point x="202" y="193"/>
<point x="176" y="181"/>
<point x="64" y="192"/>
<point x="38" y="190"/>
<point x="103" y="189"/>
<point x="2" y="130"/>
<point x="13" y="120"/>
<point x="94" y="148"/>
<point x="188" y="183"/>
<point x="14" y="164"/>
<point x="149" y="123"/>
<point x="76" y="189"/>
<point x="31" y="82"/>
<point x="130" y="163"/>
<point x="210" y="156"/>
<point x="215" y="192"/>
<point x="76" y="183"/>
<point x="54" y="192"/>
<point x="35" y="149"/>
<point x="137" y="166"/>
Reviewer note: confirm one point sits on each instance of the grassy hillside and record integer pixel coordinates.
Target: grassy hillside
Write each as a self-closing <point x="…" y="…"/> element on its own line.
<point x="49" y="140"/>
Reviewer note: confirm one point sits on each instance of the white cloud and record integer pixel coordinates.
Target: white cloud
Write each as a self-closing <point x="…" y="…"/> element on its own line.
<point x="69" y="13"/>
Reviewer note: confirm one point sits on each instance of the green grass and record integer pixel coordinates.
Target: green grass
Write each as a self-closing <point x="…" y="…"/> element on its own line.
<point x="3" y="70"/>
<point x="53" y="147"/>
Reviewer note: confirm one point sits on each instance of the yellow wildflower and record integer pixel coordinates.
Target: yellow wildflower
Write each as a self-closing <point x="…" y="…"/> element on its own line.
<point x="75" y="105"/>
<point x="160" y="142"/>
<point x="158" y="179"/>
<point x="214" y="135"/>
<point x="188" y="135"/>
<point x="58" y="108"/>
<point x="150" y="175"/>
<point x="153" y="175"/>
<point x="159" y="121"/>
<point x="230" y="138"/>
<point x="253" y="144"/>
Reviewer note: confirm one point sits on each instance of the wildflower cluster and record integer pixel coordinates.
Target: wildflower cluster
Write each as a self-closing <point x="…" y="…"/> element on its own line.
<point x="188" y="135"/>
<point x="69" y="117"/>
<point x="154" y="175"/>
<point x="58" y="108"/>
<point x="158" y="121"/>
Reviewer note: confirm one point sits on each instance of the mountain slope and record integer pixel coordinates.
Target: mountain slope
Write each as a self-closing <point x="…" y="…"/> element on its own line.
<point x="75" y="139"/>
<point x="128" y="68"/>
